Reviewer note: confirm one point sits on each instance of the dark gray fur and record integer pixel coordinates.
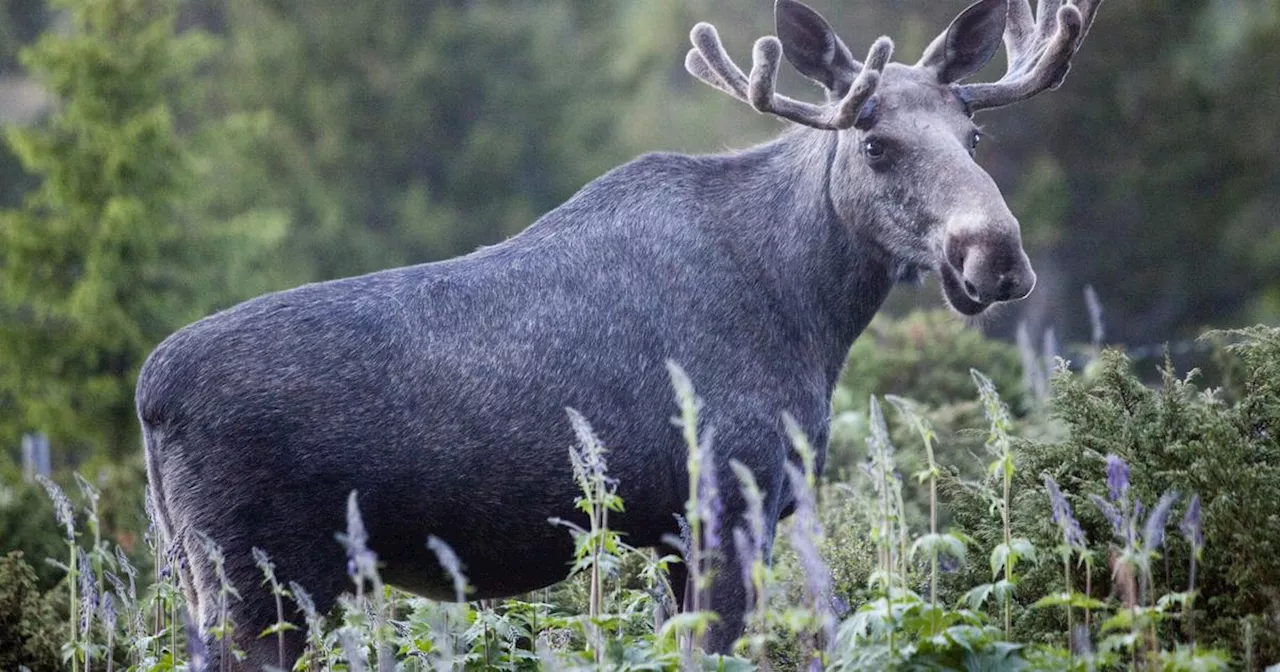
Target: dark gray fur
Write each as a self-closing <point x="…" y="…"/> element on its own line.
<point x="439" y="391"/>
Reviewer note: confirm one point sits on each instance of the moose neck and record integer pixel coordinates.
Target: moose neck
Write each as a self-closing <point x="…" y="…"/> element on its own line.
<point x="824" y="275"/>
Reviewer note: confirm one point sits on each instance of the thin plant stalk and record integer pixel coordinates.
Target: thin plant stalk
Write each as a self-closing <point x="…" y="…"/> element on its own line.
<point x="933" y="529"/>
<point x="904" y="536"/>
<point x="880" y="468"/>
<point x="278" y="592"/>
<point x="1088" y="590"/>
<point x="702" y="489"/>
<point x="1008" y="541"/>
<point x="173" y="626"/>
<point x="1066" y="578"/>
<point x="689" y="424"/>
<point x="925" y="430"/>
<point x="110" y="649"/>
<point x="66" y="518"/>
<point x="73" y="579"/>
<point x="1193" y="531"/>
<point x="998" y="444"/>
<point x="1189" y="607"/>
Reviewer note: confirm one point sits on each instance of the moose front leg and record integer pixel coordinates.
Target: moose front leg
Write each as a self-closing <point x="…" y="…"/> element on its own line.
<point x="739" y="531"/>
<point x="731" y="594"/>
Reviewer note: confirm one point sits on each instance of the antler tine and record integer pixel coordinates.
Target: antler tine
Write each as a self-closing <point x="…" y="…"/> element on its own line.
<point x="865" y="85"/>
<point x="1019" y="32"/>
<point x="1040" y="50"/>
<point x="765" y="58"/>
<point x="1088" y="12"/>
<point x="1047" y="17"/>
<point x="698" y="67"/>
<point x="720" y="70"/>
<point x="836" y="116"/>
<point x="709" y="62"/>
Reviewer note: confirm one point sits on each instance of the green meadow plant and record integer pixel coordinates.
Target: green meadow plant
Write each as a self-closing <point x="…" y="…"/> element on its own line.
<point x="279" y="592"/>
<point x="66" y="518"/>
<point x="917" y="604"/>
<point x="1004" y="557"/>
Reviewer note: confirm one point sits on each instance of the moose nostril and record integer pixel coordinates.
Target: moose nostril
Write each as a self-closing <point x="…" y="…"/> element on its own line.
<point x="1007" y="284"/>
<point x="970" y="288"/>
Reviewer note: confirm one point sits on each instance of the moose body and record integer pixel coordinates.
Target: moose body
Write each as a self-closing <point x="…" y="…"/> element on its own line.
<point x="438" y="392"/>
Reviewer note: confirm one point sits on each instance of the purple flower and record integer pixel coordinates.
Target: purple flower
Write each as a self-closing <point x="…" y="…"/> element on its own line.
<point x="195" y="644"/>
<point x="127" y="567"/>
<point x="88" y="593"/>
<point x="173" y="555"/>
<point x="305" y="604"/>
<point x="1191" y="526"/>
<point x="710" y="507"/>
<point x="1072" y="535"/>
<point x="108" y="611"/>
<point x="587" y="456"/>
<point x="1153" y="531"/>
<point x="1117" y="478"/>
<point x="1111" y="513"/>
<point x="117" y="584"/>
<point x="686" y="536"/>
<point x="362" y="563"/>
<point x="451" y="564"/>
<point x="61" y="506"/>
<point x="742" y="544"/>
<point x="839" y="606"/>
<point x="806" y="531"/>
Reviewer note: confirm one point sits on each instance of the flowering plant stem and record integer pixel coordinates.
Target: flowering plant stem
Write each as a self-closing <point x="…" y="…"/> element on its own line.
<point x="1008" y="542"/>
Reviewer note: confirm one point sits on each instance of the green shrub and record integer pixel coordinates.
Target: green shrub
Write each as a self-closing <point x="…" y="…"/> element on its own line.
<point x="25" y="515"/>
<point x="25" y="527"/>
<point x="30" y="630"/>
<point x="1222" y="444"/>
<point x="926" y="356"/>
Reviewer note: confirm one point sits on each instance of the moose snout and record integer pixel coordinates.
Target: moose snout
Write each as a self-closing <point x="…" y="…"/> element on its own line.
<point x="992" y="268"/>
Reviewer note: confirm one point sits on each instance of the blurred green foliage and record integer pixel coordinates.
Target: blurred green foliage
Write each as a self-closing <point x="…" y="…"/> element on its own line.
<point x="30" y="631"/>
<point x="104" y="258"/>
<point x="200" y="156"/>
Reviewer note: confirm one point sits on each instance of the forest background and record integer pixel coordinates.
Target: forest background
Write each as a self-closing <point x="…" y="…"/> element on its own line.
<point x="268" y="144"/>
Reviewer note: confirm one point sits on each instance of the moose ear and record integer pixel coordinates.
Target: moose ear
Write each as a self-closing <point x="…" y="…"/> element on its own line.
<point x="813" y="47"/>
<point x="971" y="40"/>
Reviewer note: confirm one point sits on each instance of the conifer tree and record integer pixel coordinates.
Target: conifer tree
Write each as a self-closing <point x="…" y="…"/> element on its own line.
<point x="103" y="259"/>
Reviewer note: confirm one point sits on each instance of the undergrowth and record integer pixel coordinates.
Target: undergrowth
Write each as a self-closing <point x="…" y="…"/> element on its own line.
<point x="1141" y="537"/>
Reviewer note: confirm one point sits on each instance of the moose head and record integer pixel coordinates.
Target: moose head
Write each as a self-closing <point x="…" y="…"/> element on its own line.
<point x="904" y="172"/>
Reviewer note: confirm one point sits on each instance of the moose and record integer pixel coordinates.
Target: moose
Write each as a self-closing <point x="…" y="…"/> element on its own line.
<point x="439" y="391"/>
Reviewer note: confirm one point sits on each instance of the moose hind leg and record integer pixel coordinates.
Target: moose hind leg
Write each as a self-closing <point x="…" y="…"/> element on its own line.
<point x="233" y="628"/>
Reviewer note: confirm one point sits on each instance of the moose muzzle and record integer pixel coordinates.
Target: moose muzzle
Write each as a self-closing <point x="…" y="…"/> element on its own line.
<point x="982" y="266"/>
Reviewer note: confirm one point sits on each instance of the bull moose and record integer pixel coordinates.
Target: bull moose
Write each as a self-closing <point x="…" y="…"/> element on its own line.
<point x="438" y="391"/>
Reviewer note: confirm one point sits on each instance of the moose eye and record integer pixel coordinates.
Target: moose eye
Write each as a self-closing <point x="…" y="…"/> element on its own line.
<point x="974" y="139"/>
<point x="873" y="148"/>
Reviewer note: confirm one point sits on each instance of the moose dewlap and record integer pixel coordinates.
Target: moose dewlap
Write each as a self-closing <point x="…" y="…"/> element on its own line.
<point x="438" y="391"/>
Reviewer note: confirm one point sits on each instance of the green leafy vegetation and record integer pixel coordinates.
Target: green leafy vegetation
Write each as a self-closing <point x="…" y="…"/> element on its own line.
<point x="98" y="265"/>
<point x="1101" y="550"/>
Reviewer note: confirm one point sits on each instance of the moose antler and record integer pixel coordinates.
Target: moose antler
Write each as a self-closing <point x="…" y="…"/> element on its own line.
<point x="1039" y="50"/>
<point x="709" y="62"/>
